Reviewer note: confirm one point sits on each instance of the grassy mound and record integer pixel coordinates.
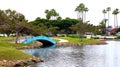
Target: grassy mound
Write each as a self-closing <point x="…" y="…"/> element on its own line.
<point x="12" y="54"/>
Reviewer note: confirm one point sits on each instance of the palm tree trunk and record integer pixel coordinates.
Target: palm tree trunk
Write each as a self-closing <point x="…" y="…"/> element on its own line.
<point x="104" y="16"/>
<point x="85" y="17"/>
<point x="108" y="18"/>
<point x="114" y="22"/>
<point x="82" y="16"/>
<point x="77" y="15"/>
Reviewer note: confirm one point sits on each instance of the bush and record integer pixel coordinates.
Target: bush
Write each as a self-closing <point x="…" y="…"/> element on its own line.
<point x="95" y="37"/>
<point x="74" y="36"/>
<point x="118" y="37"/>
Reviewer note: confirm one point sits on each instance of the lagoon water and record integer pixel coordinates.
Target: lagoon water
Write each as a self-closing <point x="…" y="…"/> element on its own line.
<point x="79" y="56"/>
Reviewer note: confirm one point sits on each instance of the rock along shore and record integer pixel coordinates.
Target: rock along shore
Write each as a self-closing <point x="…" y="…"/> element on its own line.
<point x="20" y="63"/>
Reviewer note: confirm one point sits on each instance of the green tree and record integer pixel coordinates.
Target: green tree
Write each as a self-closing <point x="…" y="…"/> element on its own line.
<point x="86" y="10"/>
<point x="59" y="18"/>
<point x="115" y="13"/>
<point x="80" y="29"/>
<point x="103" y="26"/>
<point x="108" y="9"/>
<point x="81" y="11"/>
<point x="10" y="21"/>
<point x="51" y="14"/>
<point x="104" y="12"/>
<point x="48" y="14"/>
<point x="56" y="26"/>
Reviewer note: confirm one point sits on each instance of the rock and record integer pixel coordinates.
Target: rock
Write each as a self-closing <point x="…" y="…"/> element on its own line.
<point x="30" y="62"/>
<point x="4" y="61"/>
<point x="16" y="65"/>
<point x="20" y="63"/>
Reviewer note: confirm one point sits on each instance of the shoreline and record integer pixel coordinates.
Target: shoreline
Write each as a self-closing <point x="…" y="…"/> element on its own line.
<point x="79" y="44"/>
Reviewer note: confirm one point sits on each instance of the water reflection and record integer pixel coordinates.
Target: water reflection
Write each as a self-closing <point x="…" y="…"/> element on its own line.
<point x="82" y="56"/>
<point x="42" y="52"/>
<point x="112" y="54"/>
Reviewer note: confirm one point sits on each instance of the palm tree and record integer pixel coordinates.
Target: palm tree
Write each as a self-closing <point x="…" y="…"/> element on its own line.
<point x="108" y="10"/>
<point x="104" y="12"/>
<point x="103" y="26"/>
<point x="48" y="15"/>
<point x="80" y="10"/>
<point x="115" y="12"/>
<point x="86" y="10"/>
<point x="51" y="14"/>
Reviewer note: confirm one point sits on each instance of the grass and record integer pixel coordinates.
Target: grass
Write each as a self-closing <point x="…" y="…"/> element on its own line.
<point x="9" y="45"/>
<point x="6" y="39"/>
<point x="12" y="54"/>
<point x="8" y="51"/>
<point x="76" y="40"/>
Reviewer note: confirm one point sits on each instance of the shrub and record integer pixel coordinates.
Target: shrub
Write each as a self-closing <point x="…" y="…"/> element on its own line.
<point x="118" y="37"/>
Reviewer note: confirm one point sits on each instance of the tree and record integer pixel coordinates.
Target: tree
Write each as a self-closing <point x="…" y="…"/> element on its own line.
<point x="80" y="28"/>
<point x="59" y="18"/>
<point x="115" y="13"/>
<point x="104" y="12"/>
<point x="86" y="10"/>
<point x="108" y="10"/>
<point x="54" y="14"/>
<point x="11" y="22"/>
<point x="81" y="11"/>
<point x="103" y="26"/>
<point x="52" y="30"/>
<point x="55" y="26"/>
<point x="51" y="14"/>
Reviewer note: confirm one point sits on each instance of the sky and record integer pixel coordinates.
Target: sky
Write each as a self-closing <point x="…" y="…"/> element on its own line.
<point x="35" y="8"/>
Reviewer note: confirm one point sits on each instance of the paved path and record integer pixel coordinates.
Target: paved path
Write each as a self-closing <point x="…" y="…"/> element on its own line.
<point x="61" y="40"/>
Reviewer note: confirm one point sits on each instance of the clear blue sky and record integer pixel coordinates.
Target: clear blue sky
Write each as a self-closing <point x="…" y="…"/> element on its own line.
<point x="35" y="8"/>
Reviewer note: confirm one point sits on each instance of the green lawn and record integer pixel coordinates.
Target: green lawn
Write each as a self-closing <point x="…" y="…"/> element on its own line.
<point x="9" y="52"/>
<point x="12" y="54"/>
<point x="9" y="45"/>
<point x="76" y="40"/>
<point x="5" y="39"/>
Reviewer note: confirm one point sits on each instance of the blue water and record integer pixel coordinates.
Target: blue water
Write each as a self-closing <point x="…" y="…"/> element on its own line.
<point x="79" y="56"/>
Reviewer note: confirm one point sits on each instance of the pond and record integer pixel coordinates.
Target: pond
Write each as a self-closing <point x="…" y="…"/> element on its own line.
<point x="79" y="56"/>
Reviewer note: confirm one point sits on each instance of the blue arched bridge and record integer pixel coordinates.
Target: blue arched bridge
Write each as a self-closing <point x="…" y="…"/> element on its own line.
<point x="46" y="41"/>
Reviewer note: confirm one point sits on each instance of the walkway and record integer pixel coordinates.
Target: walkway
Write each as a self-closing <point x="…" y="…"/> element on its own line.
<point x="61" y="40"/>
